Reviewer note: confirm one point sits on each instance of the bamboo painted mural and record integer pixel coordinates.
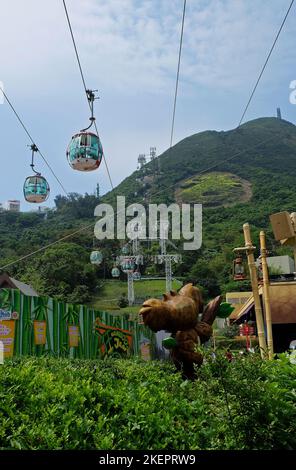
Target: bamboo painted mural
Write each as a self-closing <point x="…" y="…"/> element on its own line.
<point x="62" y="318"/>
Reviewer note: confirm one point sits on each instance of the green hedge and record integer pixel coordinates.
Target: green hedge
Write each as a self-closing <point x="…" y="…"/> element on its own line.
<point x="48" y="403"/>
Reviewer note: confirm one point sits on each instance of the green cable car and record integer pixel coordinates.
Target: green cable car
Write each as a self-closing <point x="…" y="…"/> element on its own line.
<point x="36" y="188"/>
<point x="85" y="151"/>
<point x="115" y="272"/>
<point x="127" y="265"/>
<point x="125" y="250"/>
<point x="96" y="257"/>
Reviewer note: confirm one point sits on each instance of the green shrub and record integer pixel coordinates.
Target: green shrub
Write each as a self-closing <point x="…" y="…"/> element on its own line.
<point x="48" y="403"/>
<point x="122" y="301"/>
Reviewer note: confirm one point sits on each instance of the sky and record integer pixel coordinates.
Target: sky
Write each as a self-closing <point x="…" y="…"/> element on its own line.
<point x="129" y="52"/>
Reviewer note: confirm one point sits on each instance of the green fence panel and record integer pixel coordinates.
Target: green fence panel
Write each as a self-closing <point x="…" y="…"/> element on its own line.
<point x="58" y="316"/>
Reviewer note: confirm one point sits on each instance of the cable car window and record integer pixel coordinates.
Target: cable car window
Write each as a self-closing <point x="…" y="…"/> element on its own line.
<point x="94" y="141"/>
<point x="84" y="140"/>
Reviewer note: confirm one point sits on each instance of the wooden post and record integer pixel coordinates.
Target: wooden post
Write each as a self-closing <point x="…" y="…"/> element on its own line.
<point x="254" y="281"/>
<point x="266" y="295"/>
<point x="293" y="219"/>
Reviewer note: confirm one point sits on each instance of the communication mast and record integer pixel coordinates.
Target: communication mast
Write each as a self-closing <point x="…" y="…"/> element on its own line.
<point x="141" y="160"/>
<point x="98" y="191"/>
<point x="155" y="161"/>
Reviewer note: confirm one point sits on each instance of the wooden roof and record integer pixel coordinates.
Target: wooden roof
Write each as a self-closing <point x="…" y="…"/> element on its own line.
<point x="282" y="303"/>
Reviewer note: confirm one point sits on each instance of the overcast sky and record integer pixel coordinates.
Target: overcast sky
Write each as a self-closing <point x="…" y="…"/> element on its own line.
<point x="128" y="50"/>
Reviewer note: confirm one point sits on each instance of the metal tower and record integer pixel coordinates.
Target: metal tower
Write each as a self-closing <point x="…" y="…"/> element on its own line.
<point x="166" y="258"/>
<point x="130" y="288"/>
<point x="98" y="190"/>
<point x="128" y="263"/>
<point x="141" y="160"/>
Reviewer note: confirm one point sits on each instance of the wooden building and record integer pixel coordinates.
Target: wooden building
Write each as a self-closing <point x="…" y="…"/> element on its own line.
<point x="283" y="311"/>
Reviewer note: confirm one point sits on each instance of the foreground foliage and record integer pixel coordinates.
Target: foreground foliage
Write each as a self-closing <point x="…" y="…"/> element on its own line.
<point x="48" y="403"/>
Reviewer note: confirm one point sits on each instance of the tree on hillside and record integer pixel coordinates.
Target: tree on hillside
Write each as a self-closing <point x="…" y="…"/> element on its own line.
<point x="66" y="272"/>
<point x="76" y="205"/>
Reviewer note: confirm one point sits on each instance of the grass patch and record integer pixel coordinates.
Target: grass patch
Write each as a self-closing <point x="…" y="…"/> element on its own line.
<point x="112" y="290"/>
<point x="213" y="189"/>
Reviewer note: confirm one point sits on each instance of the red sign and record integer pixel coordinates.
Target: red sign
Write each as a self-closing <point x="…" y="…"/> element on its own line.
<point x="246" y="330"/>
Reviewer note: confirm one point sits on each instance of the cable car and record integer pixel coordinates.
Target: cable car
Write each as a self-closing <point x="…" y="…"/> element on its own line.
<point x="115" y="272"/>
<point x="127" y="265"/>
<point x="96" y="257"/>
<point x="36" y="188"/>
<point x="125" y="250"/>
<point x="85" y="151"/>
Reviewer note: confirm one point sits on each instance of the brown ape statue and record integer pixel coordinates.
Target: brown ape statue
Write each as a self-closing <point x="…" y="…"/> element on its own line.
<point x="178" y="314"/>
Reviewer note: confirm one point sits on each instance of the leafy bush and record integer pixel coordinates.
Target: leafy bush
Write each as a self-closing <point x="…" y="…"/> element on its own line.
<point x="231" y="330"/>
<point x="122" y="301"/>
<point x="48" y="403"/>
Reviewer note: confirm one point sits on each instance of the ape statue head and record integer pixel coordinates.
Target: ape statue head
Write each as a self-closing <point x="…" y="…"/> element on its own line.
<point x="175" y="312"/>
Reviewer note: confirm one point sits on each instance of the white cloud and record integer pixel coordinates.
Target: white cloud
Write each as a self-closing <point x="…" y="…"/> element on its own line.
<point x="132" y="45"/>
<point x="135" y="43"/>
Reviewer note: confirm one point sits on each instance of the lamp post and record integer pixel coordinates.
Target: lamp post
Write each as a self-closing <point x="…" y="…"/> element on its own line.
<point x="238" y="269"/>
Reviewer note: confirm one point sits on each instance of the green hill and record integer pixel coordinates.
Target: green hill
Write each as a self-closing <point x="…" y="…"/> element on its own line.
<point x="241" y="175"/>
<point x="265" y="146"/>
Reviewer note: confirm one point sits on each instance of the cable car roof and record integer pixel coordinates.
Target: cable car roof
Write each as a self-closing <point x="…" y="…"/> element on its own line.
<point x="85" y="133"/>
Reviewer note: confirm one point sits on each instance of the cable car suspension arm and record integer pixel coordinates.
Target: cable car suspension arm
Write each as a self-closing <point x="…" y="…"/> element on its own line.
<point x="91" y="98"/>
<point x="34" y="149"/>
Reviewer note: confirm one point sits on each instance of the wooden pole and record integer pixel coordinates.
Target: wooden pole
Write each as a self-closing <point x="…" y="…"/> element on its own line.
<point x="293" y="219"/>
<point x="254" y="281"/>
<point x="266" y="295"/>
